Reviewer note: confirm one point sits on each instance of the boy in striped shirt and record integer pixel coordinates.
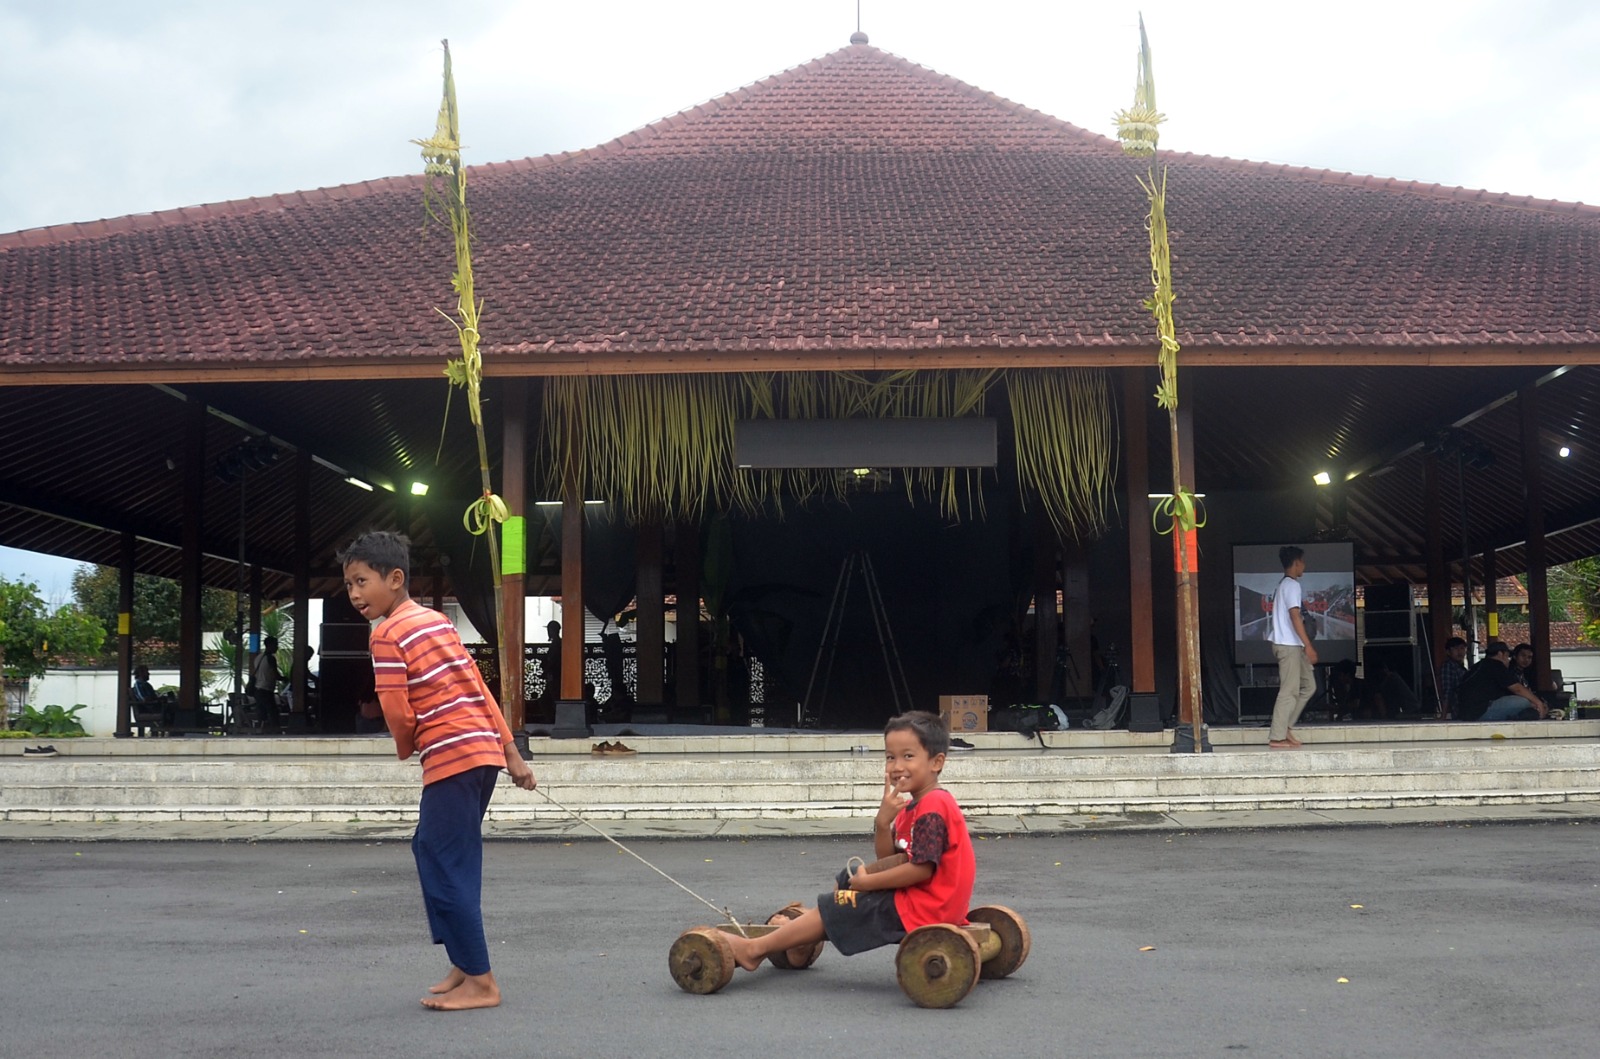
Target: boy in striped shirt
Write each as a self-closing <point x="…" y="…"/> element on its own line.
<point x="436" y="704"/>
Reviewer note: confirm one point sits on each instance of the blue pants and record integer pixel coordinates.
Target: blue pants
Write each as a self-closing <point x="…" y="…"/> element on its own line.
<point x="1510" y="708"/>
<point x="448" y="847"/>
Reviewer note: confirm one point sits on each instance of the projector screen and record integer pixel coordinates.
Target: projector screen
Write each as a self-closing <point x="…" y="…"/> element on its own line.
<point x="1328" y="588"/>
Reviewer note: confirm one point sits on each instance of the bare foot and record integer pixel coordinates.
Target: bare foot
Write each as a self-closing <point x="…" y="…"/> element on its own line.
<point x="475" y="991"/>
<point x="1291" y="739"/>
<point x="1282" y="744"/>
<point x="451" y="980"/>
<point x="745" y="953"/>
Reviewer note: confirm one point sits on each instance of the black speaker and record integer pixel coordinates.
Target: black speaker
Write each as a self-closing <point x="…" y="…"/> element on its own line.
<point x="1255" y="701"/>
<point x="1388" y="625"/>
<point x="1144" y="713"/>
<point x="341" y="681"/>
<point x="1388" y="597"/>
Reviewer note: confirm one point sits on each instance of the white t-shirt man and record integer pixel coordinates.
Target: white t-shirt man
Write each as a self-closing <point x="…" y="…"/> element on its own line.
<point x="1287" y="599"/>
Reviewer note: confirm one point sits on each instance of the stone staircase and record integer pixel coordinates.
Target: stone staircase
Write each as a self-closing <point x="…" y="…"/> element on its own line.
<point x="815" y="777"/>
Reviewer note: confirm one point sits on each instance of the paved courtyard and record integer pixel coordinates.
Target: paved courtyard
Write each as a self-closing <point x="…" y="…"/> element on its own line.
<point x="1445" y="940"/>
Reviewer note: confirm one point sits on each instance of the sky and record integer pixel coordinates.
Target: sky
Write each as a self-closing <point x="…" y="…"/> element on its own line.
<point x="114" y="107"/>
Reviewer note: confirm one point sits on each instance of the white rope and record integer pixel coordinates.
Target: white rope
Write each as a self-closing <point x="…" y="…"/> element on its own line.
<point x="720" y="911"/>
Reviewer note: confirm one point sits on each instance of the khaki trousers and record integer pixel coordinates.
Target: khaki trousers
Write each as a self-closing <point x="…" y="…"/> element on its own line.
<point x="1297" y="682"/>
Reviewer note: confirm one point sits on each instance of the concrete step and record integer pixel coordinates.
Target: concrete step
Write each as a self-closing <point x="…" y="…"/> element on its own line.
<point x="781" y="784"/>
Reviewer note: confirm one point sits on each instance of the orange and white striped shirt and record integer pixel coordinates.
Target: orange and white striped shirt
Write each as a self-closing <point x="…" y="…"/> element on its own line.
<point x="432" y="695"/>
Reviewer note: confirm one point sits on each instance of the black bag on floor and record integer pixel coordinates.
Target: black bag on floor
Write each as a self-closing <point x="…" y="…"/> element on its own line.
<point x="1030" y="720"/>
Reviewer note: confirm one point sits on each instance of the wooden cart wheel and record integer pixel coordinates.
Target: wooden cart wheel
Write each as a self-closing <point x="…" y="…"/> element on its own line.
<point x="801" y="956"/>
<point x="701" y="960"/>
<point x="1015" y="941"/>
<point x="937" y="965"/>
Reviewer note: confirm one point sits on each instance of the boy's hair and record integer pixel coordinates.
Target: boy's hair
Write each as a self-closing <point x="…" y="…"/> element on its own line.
<point x="381" y="550"/>
<point x="928" y="728"/>
<point x="1288" y="554"/>
<point x="1454" y="642"/>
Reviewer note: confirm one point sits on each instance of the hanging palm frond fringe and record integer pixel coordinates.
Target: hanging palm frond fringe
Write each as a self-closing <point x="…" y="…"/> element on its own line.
<point x="661" y="447"/>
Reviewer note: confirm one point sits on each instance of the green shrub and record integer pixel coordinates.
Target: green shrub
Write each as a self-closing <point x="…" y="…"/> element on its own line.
<point x="53" y="721"/>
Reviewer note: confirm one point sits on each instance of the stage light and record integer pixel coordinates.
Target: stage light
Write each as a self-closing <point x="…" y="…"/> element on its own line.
<point x="1322" y="478"/>
<point x="1564" y="452"/>
<point x="358" y="483"/>
<point x="419" y="488"/>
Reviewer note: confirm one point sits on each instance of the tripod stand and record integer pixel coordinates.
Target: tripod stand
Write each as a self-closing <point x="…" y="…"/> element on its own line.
<point x="899" y="690"/>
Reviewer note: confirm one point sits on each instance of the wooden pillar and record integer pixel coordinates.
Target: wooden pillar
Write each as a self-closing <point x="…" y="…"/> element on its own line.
<point x="651" y="627"/>
<point x="514" y="550"/>
<point x="1141" y="591"/>
<point x="125" y="637"/>
<point x="1491" y="597"/>
<point x="1076" y="618"/>
<point x="1045" y="623"/>
<point x="1440" y="619"/>
<point x="1533" y="511"/>
<point x="300" y="661"/>
<point x="571" y="722"/>
<point x="1188" y="605"/>
<point x="189" y="631"/>
<point x="686" y="585"/>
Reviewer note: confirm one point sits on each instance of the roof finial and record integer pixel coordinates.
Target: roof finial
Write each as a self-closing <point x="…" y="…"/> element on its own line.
<point x="858" y="37"/>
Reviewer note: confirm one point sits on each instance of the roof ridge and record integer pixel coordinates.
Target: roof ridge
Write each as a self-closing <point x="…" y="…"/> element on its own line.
<point x="1452" y="192"/>
<point x="635" y="137"/>
<point x="71" y="231"/>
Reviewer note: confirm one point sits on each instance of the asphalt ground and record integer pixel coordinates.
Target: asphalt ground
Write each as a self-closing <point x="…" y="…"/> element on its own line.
<point x="1455" y="940"/>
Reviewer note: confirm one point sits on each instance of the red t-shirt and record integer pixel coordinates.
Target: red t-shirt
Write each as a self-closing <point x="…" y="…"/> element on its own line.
<point x="932" y="831"/>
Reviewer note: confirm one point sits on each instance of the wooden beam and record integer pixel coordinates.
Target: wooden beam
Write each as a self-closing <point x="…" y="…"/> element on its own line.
<point x="1141" y="591"/>
<point x="571" y="714"/>
<point x="686" y="584"/>
<point x="1440" y="620"/>
<point x="651" y="615"/>
<point x="125" y="636"/>
<point x="513" y="580"/>
<point x="509" y="362"/>
<point x="189" y="628"/>
<point x="1533" y="512"/>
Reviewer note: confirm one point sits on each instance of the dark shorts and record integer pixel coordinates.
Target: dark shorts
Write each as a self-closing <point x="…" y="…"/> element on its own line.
<point x="858" y="920"/>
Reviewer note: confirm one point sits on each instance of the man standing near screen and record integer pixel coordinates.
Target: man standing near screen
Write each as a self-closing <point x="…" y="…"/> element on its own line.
<point x="1291" y="645"/>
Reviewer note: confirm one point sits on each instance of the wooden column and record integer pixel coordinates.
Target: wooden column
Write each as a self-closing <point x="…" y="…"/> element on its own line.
<point x="571" y="722"/>
<point x="1141" y="593"/>
<point x="1045" y="584"/>
<point x="1533" y="511"/>
<point x="300" y="660"/>
<point x="1076" y="619"/>
<point x="651" y="627"/>
<point x="1440" y="620"/>
<point x="1188" y="607"/>
<point x="1491" y="598"/>
<point x="189" y="631"/>
<point x="125" y="637"/>
<point x="686" y="585"/>
<point x="513" y="579"/>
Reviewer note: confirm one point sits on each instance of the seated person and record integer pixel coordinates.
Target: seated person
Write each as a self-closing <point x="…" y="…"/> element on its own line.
<point x="1392" y="696"/>
<point x="1452" y="671"/>
<point x="1492" y="692"/>
<point x="1344" y="690"/>
<point x="146" y="699"/>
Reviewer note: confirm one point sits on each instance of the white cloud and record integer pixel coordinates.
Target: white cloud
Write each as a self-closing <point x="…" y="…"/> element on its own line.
<point x="120" y="108"/>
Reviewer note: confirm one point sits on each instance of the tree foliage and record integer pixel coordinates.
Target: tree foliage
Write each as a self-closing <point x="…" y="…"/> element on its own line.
<point x="157" y="608"/>
<point x="33" y="637"/>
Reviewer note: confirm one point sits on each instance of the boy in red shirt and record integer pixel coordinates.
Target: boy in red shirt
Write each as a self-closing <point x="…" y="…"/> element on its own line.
<point x="436" y="704"/>
<point x="917" y="818"/>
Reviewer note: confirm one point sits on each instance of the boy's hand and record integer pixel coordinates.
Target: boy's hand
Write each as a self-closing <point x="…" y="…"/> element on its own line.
<point x="893" y="801"/>
<point x="521" y="773"/>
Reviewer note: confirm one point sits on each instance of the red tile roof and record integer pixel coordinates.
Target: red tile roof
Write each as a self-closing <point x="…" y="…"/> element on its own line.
<point x="857" y="202"/>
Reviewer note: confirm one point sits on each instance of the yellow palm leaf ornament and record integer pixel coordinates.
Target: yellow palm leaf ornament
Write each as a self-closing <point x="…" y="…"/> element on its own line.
<point x="446" y="200"/>
<point x="1181" y="514"/>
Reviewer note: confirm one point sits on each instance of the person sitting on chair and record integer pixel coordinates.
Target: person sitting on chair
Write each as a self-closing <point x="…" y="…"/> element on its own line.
<point x="146" y="699"/>
<point x="1492" y="692"/>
